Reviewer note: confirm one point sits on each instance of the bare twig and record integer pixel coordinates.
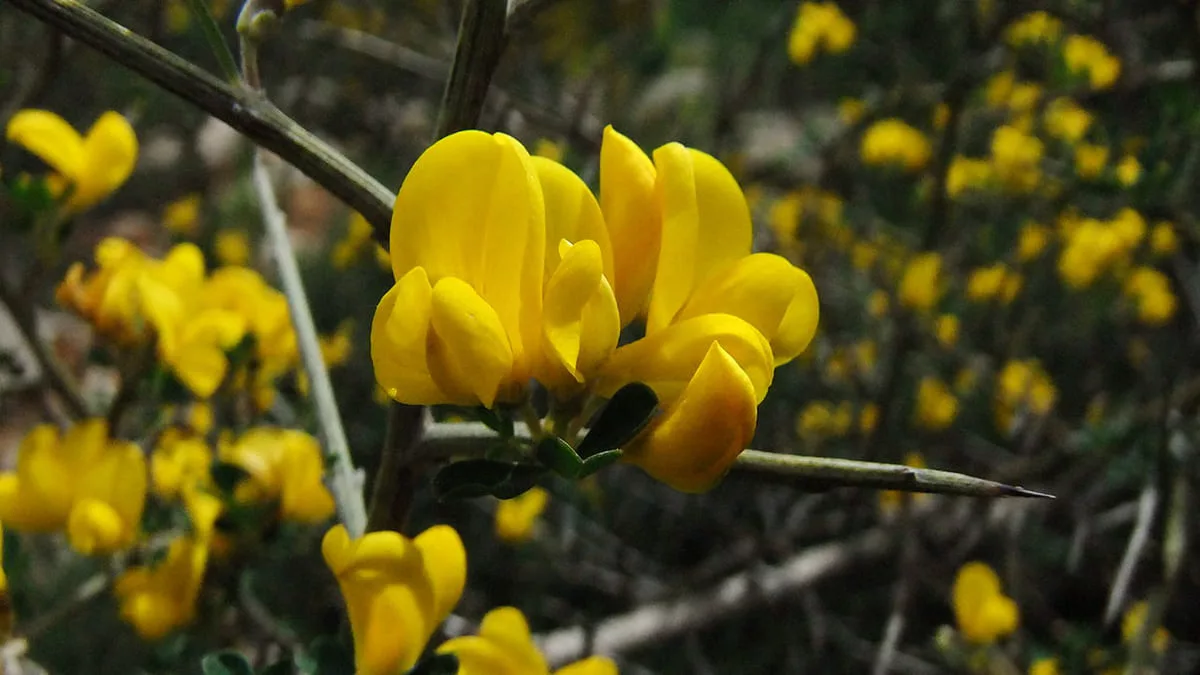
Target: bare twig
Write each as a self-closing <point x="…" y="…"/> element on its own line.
<point x="56" y="375"/>
<point x="1138" y="539"/>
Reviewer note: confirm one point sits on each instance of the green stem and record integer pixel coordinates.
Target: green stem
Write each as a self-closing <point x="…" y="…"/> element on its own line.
<point x="212" y="35"/>
<point x="245" y="111"/>
<point x="480" y="45"/>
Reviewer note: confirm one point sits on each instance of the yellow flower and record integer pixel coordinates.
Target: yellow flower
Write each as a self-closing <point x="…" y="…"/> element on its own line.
<point x="920" y="286"/>
<point x="505" y="646"/>
<point x="946" y="330"/>
<point x="107" y="297"/>
<point x="1023" y="385"/>
<point x="283" y="465"/>
<point x="157" y="599"/>
<point x="784" y="217"/>
<point x="1129" y="170"/>
<point x="1031" y="241"/>
<point x="1090" y="160"/>
<point x="1151" y="292"/>
<point x="891" y="142"/>
<point x="232" y="247"/>
<point x="359" y="239"/>
<point x="1045" y="666"/>
<point x="1163" y="240"/>
<point x="993" y="282"/>
<point x="516" y="517"/>
<point x="83" y="483"/>
<point x="1016" y="158"/>
<point x="941" y="115"/>
<point x="1036" y="27"/>
<point x="878" y="304"/>
<point x="966" y="173"/>
<point x="397" y="591"/>
<point x="868" y="418"/>
<point x="91" y="167"/>
<point x="180" y="461"/>
<point x="547" y="148"/>
<point x="182" y="215"/>
<point x="999" y="88"/>
<point x="850" y="110"/>
<point x="243" y="292"/>
<point x="1066" y="120"/>
<point x="1089" y="56"/>
<point x="937" y="406"/>
<point x="819" y="26"/>
<point x="1132" y="622"/>
<point x="1091" y="248"/>
<point x="1130" y="228"/>
<point x="984" y="614"/>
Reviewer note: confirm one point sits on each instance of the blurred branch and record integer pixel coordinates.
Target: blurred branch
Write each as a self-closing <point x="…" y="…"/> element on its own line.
<point x="1138" y="539"/>
<point x="37" y="80"/>
<point x="56" y="375"/>
<point x="87" y="591"/>
<point x="245" y="111"/>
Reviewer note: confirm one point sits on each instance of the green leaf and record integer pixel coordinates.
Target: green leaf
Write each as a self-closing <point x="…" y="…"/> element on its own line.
<point x="623" y="418"/>
<point x="496" y="420"/>
<point x="478" y="477"/>
<point x="216" y="42"/>
<point x="326" y="656"/>
<point x="226" y="476"/>
<point x="225" y="663"/>
<point x="599" y="461"/>
<point x="558" y="456"/>
<point x="439" y="664"/>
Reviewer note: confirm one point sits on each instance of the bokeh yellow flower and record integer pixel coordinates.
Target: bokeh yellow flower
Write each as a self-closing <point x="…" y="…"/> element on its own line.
<point x="936" y="406"/>
<point x="504" y="646"/>
<point x="231" y="247"/>
<point x="182" y="216"/>
<point x="983" y="613"/>
<point x="1088" y="56"/>
<point x="891" y="142"/>
<point x="819" y="26"/>
<point x="1132" y="622"/>
<point x="1151" y="293"/>
<point x="921" y="284"/>
<point x="284" y="466"/>
<point x="516" y="517"/>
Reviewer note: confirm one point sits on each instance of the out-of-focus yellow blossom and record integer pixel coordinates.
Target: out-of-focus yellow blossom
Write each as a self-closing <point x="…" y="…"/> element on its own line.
<point x="941" y="115"/>
<point x="232" y="247"/>
<point x="107" y="298"/>
<point x="891" y="142"/>
<point x="921" y="285"/>
<point x="1037" y="27"/>
<point x="999" y="88"/>
<point x="183" y="215"/>
<point x="819" y="26"/>
<point x="868" y="418"/>
<point x="1016" y="158"/>
<point x="983" y="613"/>
<point x="966" y="173"/>
<point x="1031" y="241"/>
<point x="283" y="465"/>
<point x="359" y="241"/>
<point x="84" y="483"/>
<point x="516" y="517"/>
<point x="1090" y="160"/>
<point x="180" y="461"/>
<point x="1091" y="249"/>
<point x="866" y="353"/>
<point x="1130" y="228"/>
<point x="243" y="292"/>
<point x="1045" y="666"/>
<point x="937" y="406"/>
<point x="549" y="149"/>
<point x="1163" y="240"/>
<point x="397" y="591"/>
<point x="156" y="599"/>
<point x="1022" y="101"/>
<point x="863" y="255"/>
<point x="335" y="347"/>
<point x="994" y="282"/>
<point x="91" y="167"/>
<point x="1151" y="292"/>
<point x="878" y="304"/>
<point x="504" y="646"/>
<point x="891" y="500"/>
<point x="1066" y="120"/>
<point x="820" y="419"/>
<point x="1132" y="622"/>
<point x="946" y="330"/>
<point x="1022" y="385"/>
<point x="784" y="218"/>
<point x="850" y="110"/>
<point x="1129" y="170"/>
<point x="1087" y="55"/>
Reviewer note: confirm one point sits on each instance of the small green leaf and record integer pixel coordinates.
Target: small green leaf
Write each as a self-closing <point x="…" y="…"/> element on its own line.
<point x="497" y="420"/>
<point x="226" y="476"/>
<point x="520" y="479"/>
<point x="599" y="461"/>
<point x="625" y="415"/>
<point x="478" y="477"/>
<point x="558" y="456"/>
<point x="225" y="663"/>
<point x="439" y="664"/>
<point x="326" y="656"/>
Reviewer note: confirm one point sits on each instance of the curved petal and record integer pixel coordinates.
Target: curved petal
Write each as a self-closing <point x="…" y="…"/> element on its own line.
<point x="667" y="360"/>
<point x="705" y="227"/>
<point x="696" y="441"/>
<point x="568" y="291"/>
<point x="572" y="213"/>
<point x="469" y="356"/>
<point x="601" y="329"/>
<point x="38" y="497"/>
<point x="593" y="665"/>
<point x="480" y="656"/>
<point x="631" y="214"/>
<point x="507" y="627"/>
<point x="95" y="527"/>
<point x="399" y="337"/>
<point x="51" y="138"/>
<point x="772" y="294"/>
<point x="445" y="561"/>
<point x="304" y="496"/>
<point x="110" y="152"/>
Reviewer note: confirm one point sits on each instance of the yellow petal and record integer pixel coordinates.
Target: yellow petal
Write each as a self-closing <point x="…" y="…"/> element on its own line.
<point x="568" y="291"/>
<point x="480" y="656"/>
<point x="95" y="527"/>
<point x="668" y="359"/>
<point x="304" y="497"/>
<point x="399" y="338"/>
<point x="593" y="665"/>
<point x="773" y="295"/>
<point x="469" y="355"/>
<point x="700" y="435"/>
<point x="445" y="562"/>
<point x="110" y="152"/>
<point x="705" y="227"/>
<point x="51" y="138"/>
<point x="572" y="213"/>
<point x="631" y="213"/>
<point x="506" y="627"/>
<point x="38" y="497"/>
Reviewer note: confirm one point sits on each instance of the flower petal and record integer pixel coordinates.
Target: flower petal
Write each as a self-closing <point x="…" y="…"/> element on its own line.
<point x="696" y="441"/>
<point x="773" y="295"/>
<point x="445" y="561"/>
<point x="507" y="627"/>
<point x="571" y="287"/>
<point x="668" y="359"/>
<point x="705" y="227"/>
<point x="95" y="527"/>
<point x="593" y="665"/>
<point x="469" y="354"/>
<point x="110" y="152"/>
<point x="572" y="213"/>
<point x="51" y="138"/>
<point x="630" y="212"/>
<point x="399" y="337"/>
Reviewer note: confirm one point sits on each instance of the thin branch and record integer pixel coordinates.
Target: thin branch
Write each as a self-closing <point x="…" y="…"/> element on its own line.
<point x="1138" y="540"/>
<point x="56" y="375"/>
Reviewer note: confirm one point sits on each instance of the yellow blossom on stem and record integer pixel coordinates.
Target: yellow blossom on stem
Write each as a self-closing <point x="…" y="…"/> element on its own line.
<point x="921" y="284"/>
<point x="504" y="646"/>
<point x="179" y="461"/>
<point x="1066" y="120"/>
<point x="819" y="26"/>
<point x="1037" y="27"/>
<point x="1092" y="247"/>
<point x="397" y="591"/>
<point x="182" y="215"/>
<point x="82" y="483"/>
<point x="516" y="517"/>
<point x="891" y="142"/>
<point x="283" y="465"/>
<point x="359" y="239"/>
<point x="1129" y="170"/>
<point x="1016" y="158"/>
<point x="90" y="167"/>
<point x="1087" y="55"/>
<point x="1151" y="293"/>
<point x="1090" y="160"/>
<point x="984" y="614"/>
<point x="1163" y="239"/>
<point x="937" y="406"/>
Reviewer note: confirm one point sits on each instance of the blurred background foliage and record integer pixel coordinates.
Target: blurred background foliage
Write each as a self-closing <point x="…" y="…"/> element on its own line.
<point x="1002" y="226"/>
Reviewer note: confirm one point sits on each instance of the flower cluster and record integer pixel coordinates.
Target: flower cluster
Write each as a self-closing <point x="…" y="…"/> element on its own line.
<point x="819" y="26"/>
